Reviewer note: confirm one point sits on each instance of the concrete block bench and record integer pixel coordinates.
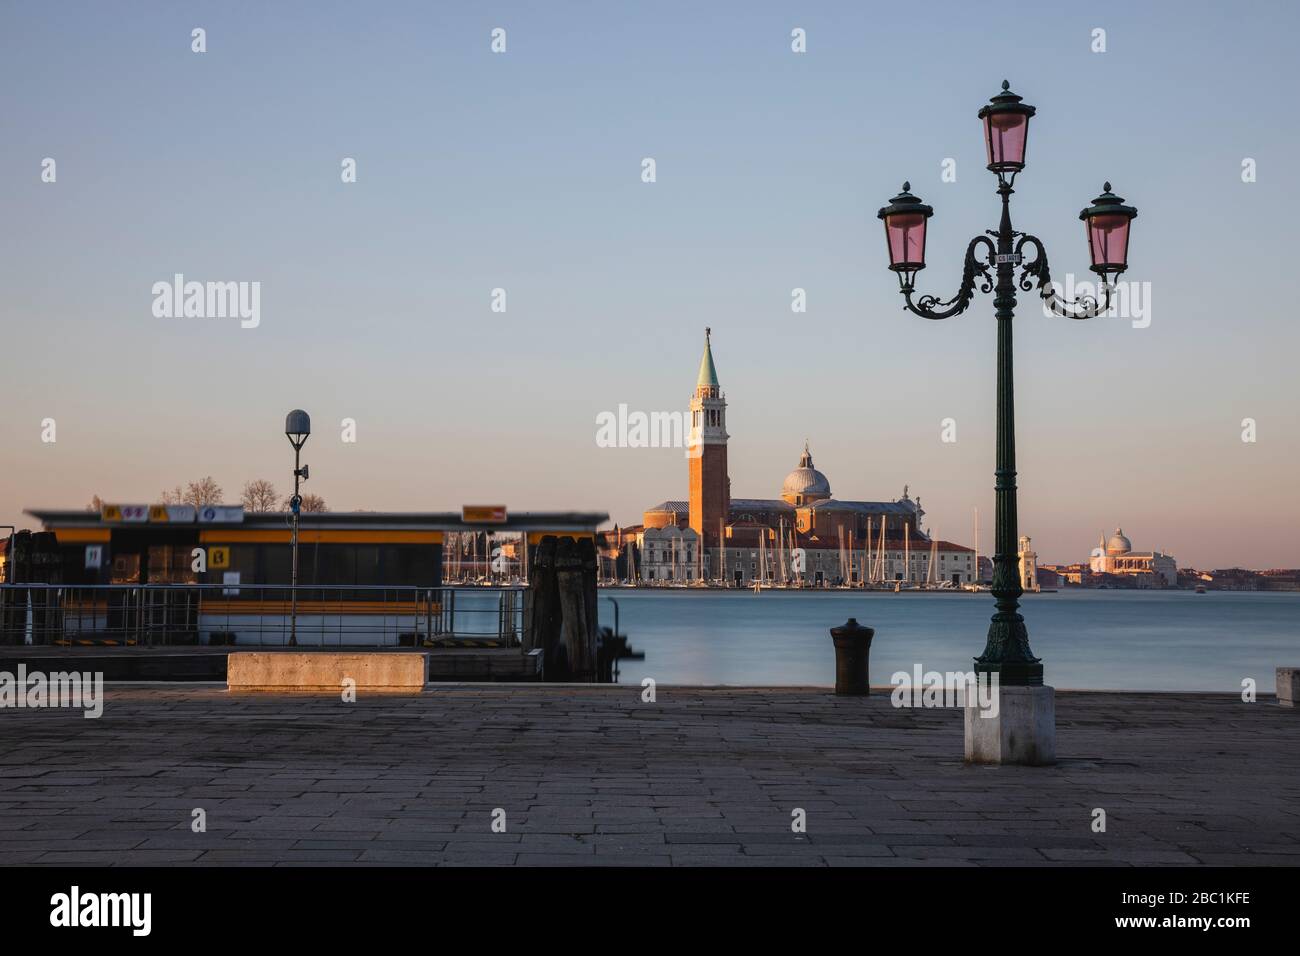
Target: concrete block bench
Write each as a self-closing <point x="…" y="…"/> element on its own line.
<point x="1288" y="686"/>
<point x="325" y="671"/>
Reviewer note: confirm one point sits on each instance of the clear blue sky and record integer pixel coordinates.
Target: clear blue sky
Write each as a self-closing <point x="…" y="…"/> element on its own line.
<point x="522" y="171"/>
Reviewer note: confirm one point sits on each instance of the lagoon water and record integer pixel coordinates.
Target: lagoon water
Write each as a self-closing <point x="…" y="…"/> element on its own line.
<point x="1114" y="640"/>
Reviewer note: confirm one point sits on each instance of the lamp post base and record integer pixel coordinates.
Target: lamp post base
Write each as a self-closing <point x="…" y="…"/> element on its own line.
<point x="1019" y="729"/>
<point x="1012" y="673"/>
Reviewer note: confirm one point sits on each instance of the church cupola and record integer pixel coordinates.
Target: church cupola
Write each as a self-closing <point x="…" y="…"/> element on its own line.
<point x="805" y="484"/>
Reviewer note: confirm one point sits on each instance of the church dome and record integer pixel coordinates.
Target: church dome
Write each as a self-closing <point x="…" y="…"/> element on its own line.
<point x="805" y="483"/>
<point x="1118" y="544"/>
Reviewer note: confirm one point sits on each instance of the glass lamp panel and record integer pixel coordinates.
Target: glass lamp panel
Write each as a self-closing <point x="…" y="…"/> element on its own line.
<point x="1108" y="239"/>
<point x="1005" y="135"/>
<point x="906" y="236"/>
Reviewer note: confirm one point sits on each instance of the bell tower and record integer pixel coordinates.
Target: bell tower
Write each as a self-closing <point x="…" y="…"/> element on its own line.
<point x="710" y="498"/>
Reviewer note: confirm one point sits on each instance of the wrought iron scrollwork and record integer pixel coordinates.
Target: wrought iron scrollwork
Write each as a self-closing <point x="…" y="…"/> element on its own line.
<point x="1084" y="307"/>
<point x="929" y="306"/>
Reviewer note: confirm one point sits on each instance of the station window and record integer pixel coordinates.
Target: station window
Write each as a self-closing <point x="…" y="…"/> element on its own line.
<point x="125" y="569"/>
<point x="171" y="564"/>
<point x="275" y="563"/>
<point x="409" y="564"/>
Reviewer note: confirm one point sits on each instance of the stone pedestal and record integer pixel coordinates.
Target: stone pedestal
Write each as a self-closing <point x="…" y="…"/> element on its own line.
<point x="1022" y="732"/>
<point x="391" y="672"/>
<point x="1288" y="686"/>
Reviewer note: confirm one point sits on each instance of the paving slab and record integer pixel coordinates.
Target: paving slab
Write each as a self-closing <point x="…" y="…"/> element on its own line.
<point x="595" y="776"/>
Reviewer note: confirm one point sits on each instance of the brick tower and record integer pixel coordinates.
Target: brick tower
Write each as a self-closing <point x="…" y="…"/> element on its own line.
<point x="710" y="486"/>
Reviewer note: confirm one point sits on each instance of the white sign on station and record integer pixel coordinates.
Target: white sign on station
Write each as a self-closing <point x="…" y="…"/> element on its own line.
<point x="222" y="514"/>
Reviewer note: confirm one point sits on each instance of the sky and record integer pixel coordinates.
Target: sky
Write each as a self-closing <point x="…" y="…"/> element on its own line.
<point x="523" y="171"/>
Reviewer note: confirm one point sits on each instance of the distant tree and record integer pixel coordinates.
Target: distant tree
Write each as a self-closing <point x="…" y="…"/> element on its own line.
<point x="259" y="495"/>
<point x="96" y="504"/>
<point x="310" y="503"/>
<point x="205" y="491"/>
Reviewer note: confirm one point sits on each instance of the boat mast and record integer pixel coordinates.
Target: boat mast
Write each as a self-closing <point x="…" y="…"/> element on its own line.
<point x="848" y="556"/>
<point x="868" y="571"/>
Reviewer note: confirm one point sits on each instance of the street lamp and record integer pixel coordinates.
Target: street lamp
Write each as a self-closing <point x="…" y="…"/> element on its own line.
<point x="992" y="266"/>
<point x="297" y="428"/>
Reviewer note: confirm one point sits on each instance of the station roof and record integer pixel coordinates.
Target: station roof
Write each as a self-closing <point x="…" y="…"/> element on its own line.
<point x="342" y="520"/>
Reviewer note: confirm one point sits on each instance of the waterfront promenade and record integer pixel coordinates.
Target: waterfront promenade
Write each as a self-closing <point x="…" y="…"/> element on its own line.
<point x="595" y="776"/>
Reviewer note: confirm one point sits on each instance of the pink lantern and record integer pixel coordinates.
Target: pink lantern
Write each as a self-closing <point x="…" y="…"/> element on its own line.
<point x="905" y="218"/>
<point x="1006" y="130"/>
<point x="1107" y="221"/>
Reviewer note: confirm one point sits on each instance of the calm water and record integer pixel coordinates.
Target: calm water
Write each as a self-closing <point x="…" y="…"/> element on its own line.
<point x="1164" y="640"/>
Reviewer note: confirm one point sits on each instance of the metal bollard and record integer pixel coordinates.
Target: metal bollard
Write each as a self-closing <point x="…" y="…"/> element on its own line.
<point x="852" y="654"/>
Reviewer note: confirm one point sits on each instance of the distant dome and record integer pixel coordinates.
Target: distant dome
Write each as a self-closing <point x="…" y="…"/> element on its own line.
<point x="805" y="481"/>
<point x="1118" y="544"/>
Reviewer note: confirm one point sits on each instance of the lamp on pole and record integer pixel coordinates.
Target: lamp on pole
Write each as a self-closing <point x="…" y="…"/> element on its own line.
<point x="297" y="428"/>
<point x="991" y="263"/>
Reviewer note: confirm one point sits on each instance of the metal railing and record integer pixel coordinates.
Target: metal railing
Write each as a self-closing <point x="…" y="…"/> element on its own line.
<point x="162" y="615"/>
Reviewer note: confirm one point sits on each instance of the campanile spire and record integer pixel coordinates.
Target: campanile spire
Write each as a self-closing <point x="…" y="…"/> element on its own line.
<point x="710" y="501"/>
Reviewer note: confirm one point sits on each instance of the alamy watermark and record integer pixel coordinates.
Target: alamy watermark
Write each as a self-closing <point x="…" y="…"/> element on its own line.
<point x="1128" y="299"/>
<point x="634" y="429"/>
<point x="59" y="689"/>
<point x="945" y="689"/>
<point x="75" y="909"/>
<point x="208" y="300"/>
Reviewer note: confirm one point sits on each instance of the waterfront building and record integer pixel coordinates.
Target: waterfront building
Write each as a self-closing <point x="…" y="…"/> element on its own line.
<point x="806" y="535"/>
<point x="1048" y="578"/>
<point x="670" y="555"/>
<point x="1233" y="579"/>
<point x="1241" y="579"/>
<point x="1116" y="556"/>
<point x="1063" y="574"/>
<point x="1028" y="563"/>
<point x="1279" y="579"/>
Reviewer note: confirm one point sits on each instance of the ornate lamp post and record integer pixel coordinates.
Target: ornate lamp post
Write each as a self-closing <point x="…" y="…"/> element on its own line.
<point x="991" y="264"/>
<point x="297" y="428"/>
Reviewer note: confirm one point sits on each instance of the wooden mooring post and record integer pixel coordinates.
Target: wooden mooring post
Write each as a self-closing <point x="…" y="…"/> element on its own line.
<point x="560" y="616"/>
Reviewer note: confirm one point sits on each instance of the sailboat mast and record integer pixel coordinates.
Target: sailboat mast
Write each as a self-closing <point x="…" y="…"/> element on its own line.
<point x="850" y="557"/>
<point x="868" y="572"/>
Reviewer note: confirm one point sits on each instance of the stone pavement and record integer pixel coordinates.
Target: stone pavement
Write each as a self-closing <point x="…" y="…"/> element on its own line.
<point x="594" y="776"/>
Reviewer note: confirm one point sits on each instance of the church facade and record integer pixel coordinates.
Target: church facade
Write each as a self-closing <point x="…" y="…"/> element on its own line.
<point x="804" y="536"/>
<point x="1115" y="555"/>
